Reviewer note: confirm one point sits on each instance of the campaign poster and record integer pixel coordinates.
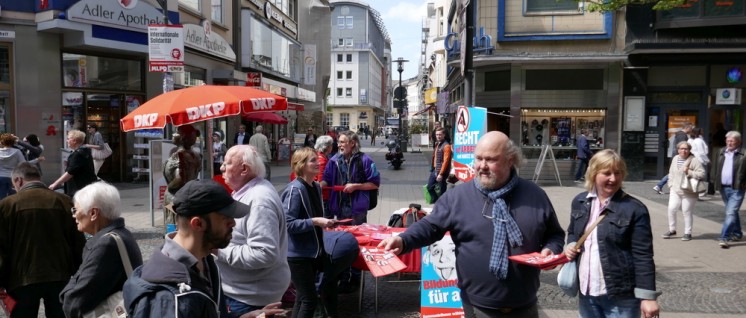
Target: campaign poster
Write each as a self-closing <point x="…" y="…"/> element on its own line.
<point x="439" y="294"/>
<point x="471" y="123"/>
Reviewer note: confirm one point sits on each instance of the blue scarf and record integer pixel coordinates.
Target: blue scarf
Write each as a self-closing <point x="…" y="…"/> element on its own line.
<point x="505" y="227"/>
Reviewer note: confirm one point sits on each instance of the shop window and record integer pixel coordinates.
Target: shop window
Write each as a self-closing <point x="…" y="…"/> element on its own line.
<point x="561" y="127"/>
<point x="191" y="76"/>
<point x="538" y="6"/>
<point x="101" y="72"/>
<point x="6" y="88"/>
<point x="272" y="50"/>
<point x="497" y="81"/>
<point x="339" y="92"/>
<point x="339" y="75"/>
<point x="344" y="119"/>
<point x="565" y="79"/>
<point x="349" y="75"/>
<point x="191" y="4"/>
<point x="340" y="58"/>
<point x="329" y="119"/>
<point x="217" y="10"/>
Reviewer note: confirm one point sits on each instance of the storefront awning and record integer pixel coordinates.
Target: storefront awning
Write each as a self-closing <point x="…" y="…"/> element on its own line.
<point x="295" y="106"/>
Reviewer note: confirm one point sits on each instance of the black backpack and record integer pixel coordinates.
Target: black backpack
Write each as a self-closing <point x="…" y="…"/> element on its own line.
<point x="373" y="194"/>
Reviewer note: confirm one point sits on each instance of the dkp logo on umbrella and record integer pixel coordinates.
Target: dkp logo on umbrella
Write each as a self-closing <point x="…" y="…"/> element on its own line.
<point x="263" y="103"/>
<point x="145" y="120"/>
<point x="205" y="111"/>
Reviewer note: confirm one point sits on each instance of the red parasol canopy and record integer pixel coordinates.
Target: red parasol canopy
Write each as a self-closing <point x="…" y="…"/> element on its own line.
<point x="199" y="103"/>
<point x="265" y="117"/>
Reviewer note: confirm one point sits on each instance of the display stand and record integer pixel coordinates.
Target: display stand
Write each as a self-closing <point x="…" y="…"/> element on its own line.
<point x="141" y="164"/>
<point x="539" y="165"/>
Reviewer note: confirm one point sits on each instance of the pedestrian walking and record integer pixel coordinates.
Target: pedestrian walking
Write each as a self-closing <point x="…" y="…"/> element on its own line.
<point x="729" y="176"/>
<point x="498" y="209"/>
<point x="10" y="157"/>
<point x="218" y="152"/>
<point x="259" y="141"/>
<point x="583" y="154"/>
<point x="615" y="263"/>
<point x="685" y="165"/>
<point x="310" y="139"/>
<point x="32" y="149"/>
<point x="79" y="171"/>
<point x="440" y="165"/>
<point x="681" y="135"/>
<point x="95" y="141"/>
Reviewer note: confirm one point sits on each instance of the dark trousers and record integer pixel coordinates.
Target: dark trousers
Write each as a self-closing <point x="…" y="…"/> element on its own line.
<point x="28" y="298"/>
<point x="303" y="272"/>
<point x="432" y="181"/>
<point x="582" y="166"/>
<point x="268" y="176"/>
<point x="470" y="311"/>
<point x="328" y="287"/>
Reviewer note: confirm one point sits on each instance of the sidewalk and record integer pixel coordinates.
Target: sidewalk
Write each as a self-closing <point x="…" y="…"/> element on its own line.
<point x="698" y="279"/>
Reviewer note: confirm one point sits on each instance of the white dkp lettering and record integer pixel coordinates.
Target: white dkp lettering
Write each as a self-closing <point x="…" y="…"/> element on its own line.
<point x="145" y="120"/>
<point x="204" y="111"/>
<point x="263" y="103"/>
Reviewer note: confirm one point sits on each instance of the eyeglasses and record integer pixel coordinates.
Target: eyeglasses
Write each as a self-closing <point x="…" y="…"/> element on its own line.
<point x="490" y="217"/>
<point x="73" y="210"/>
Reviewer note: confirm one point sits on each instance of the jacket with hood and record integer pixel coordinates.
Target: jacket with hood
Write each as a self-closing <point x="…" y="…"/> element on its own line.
<point x="339" y="173"/>
<point x="9" y="159"/>
<point x="302" y="239"/>
<point x="166" y="287"/>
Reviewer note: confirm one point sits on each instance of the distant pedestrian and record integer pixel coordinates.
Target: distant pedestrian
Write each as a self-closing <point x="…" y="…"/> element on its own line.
<point x="97" y="212"/>
<point x="681" y="135"/>
<point x="79" y="171"/>
<point x="40" y="246"/>
<point x="95" y="141"/>
<point x="310" y="139"/>
<point x="10" y="157"/>
<point x="729" y="176"/>
<point x="33" y="150"/>
<point x="332" y="133"/>
<point x="583" y="154"/>
<point x="259" y="141"/>
<point x="218" y="151"/>
<point x="683" y="166"/>
<point x="440" y="165"/>
<point x="241" y="138"/>
<point x="373" y="137"/>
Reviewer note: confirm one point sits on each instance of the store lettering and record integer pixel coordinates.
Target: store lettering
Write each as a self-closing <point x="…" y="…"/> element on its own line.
<point x="194" y="38"/>
<point x="466" y="138"/>
<point x="98" y="11"/>
<point x="204" y="111"/>
<point x="263" y="103"/>
<point x="482" y="43"/>
<point x="145" y="120"/>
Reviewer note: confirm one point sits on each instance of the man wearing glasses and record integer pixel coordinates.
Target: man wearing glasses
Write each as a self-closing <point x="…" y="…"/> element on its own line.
<point x="499" y="210"/>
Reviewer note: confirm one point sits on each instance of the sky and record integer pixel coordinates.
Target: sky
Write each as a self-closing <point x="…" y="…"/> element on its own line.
<point x="403" y="20"/>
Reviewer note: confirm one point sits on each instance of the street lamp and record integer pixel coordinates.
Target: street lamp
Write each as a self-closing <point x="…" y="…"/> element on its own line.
<point x="402" y="105"/>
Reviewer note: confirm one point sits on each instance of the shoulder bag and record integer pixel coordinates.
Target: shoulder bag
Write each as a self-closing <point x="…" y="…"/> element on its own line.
<point x="567" y="279"/>
<point x="113" y="306"/>
<point x="103" y="153"/>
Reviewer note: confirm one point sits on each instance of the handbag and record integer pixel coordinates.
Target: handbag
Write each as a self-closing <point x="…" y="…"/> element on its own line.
<point x="426" y="194"/>
<point x="567" y="279"/>
<point x="103" y="153"/>
<point x="113" y="306"/>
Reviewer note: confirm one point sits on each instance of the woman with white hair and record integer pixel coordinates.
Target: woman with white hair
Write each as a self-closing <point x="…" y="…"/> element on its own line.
<point x="97" y="211"/>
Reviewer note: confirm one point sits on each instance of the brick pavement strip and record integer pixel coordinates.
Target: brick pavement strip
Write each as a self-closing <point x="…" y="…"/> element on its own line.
<point x="697" y="278"/>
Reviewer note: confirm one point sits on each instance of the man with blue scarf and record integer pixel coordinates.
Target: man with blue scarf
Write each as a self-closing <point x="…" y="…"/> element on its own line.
<point x="498" y="211"/>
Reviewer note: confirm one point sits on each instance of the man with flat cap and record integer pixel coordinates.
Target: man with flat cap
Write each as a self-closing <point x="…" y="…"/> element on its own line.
<point x="181" y="278"/>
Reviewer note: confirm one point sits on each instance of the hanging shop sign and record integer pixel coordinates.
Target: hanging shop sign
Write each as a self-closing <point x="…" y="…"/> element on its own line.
<point x="166" y="48"/>
<point x="122" y="14"/>
<point x="471" y="123"/>
<point x="728" y="96"/>
<point x="482" y="43"/>
<point x="431" y="95"/>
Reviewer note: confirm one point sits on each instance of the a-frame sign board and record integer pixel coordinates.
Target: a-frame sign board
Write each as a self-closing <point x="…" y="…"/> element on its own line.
<point x="546" y="149"/>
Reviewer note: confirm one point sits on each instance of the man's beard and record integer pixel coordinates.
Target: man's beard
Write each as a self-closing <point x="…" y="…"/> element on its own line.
<point x="213" y="240"/>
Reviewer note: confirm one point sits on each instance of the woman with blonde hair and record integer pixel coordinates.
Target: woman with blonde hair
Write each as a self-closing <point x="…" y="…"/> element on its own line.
<point x="684" y="165"/>
<point x="615" y="263"/>
<point x="304" y="214"/>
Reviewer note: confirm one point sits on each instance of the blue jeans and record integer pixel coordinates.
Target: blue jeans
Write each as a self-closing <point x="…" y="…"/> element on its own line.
<point x="6" y="187"/>
<point x="432" y="181"/>
<point x="732" y="224"/>
<point x="237" y="308"/>
<point x="582" y="166"/>
<point x="662" y="182"/>
<point x="608" y="307"/>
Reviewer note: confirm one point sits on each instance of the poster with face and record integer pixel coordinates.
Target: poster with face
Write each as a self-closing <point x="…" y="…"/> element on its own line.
<point x="439" y="294"/>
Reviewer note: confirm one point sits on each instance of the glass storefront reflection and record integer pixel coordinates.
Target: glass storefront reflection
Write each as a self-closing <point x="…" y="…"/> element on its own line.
<point x="89" y="71"/>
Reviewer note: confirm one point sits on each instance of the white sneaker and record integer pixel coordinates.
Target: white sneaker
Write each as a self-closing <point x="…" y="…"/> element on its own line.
<point x="657" y="189"/>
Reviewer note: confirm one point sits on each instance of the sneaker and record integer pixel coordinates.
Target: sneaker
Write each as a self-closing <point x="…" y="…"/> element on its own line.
<point x="686" y="237"/>
<point x="668" y="234"/>
<point x="735" y="238"/>
<point x="723" y="244"/>
<point x="657" y="189"/>
<point x="578" y="181"/>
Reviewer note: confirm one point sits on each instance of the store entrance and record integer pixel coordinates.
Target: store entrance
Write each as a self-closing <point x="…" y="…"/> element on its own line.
<point x="662" y="124"/>
<point x="104" y="111"/>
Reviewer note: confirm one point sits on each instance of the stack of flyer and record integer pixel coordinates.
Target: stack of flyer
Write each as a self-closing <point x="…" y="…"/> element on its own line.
<point x="537" y="260"/>
<point x="380" y="262"/>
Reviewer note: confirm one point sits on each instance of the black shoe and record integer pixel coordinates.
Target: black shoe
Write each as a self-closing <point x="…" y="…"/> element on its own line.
<point x="668" y="234"/>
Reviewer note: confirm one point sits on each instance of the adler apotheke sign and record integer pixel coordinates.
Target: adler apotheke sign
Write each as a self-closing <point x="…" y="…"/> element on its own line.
<point x="122" y="14"/>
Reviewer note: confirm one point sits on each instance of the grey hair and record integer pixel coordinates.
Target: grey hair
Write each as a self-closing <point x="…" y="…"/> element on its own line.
<point x="352" y="136"/>
<point x="259" y="128"/>
<point x="733" y="134"/>
<point x="323" y="142"/>
<point x="512" y="151"/>
<point x="251" y="158"/>
<point x="100" y="195"/>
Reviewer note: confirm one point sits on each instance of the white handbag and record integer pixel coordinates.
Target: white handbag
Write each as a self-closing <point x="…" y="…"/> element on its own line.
<point x="567" y="279"/>
<point x="113" y="306"/>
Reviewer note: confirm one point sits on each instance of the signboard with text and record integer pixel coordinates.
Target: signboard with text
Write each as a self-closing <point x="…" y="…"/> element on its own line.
<point x="439" y="294"/>
<point x="471" y="123"/>
<point x="166" y="48"/>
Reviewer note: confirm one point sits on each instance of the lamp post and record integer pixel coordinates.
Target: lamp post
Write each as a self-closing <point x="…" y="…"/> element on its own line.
<point x="402" y="105"/>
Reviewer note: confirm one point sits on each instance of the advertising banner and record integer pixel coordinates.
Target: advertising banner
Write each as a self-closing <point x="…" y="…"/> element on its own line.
<point x="439" y="294"/>
<point x="165" y="48"/>
<point x="471" y="123"/>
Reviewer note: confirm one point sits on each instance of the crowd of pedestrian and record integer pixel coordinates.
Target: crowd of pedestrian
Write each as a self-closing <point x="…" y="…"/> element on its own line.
<point x="237" y="253"/>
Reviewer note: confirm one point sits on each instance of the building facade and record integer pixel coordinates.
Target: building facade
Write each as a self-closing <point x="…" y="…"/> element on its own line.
<point x="359" y="87"/>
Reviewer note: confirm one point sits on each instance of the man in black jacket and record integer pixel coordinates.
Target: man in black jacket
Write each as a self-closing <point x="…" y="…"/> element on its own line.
<point x="40" y="246"/>
<point x="729" y="176"/>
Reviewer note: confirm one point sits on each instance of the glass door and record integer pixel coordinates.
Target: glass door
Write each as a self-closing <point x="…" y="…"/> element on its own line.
<point x="104" y="110"/>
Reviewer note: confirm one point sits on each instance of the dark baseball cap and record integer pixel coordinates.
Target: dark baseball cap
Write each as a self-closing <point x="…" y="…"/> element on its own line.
<point x="200" y="197"/>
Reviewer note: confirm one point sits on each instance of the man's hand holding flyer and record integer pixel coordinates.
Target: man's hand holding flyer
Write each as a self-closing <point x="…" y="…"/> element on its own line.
<point x="381" y="263"/>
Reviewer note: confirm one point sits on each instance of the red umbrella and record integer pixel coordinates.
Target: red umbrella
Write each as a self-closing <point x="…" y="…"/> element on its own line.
<point x="265" y="117"/>
<point x="199" y="103"/>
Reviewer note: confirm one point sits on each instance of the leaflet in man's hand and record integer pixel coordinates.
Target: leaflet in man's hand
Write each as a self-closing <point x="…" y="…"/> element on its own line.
<point x="381" y="263"/>
<point x="537" y="260"/>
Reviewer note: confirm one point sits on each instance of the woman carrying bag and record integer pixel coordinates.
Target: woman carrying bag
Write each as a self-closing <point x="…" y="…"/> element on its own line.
<point x="99" y="149"/>
<point x="685" y="167"/>
<point x="615" y="264"/>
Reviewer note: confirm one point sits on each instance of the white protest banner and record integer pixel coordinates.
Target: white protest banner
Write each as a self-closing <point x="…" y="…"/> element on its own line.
<point x="166" y="48"/>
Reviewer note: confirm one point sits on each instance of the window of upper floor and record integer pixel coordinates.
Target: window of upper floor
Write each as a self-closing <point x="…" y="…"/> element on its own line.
<point x="191" y="4"/>
<point x="217" y="11"/>
<point x="341" y="42"/>
<point x="341" y="22"/>
<point x="349" y="42"/>
<point x="329" y="119"/>
<point x="339" y="75"/>
<point x="339" y="92"/>
<point x="340" y="58"/>
<point x="349" y="58"/>
<point x="348" y="92"/>
<point x="349" y="75"/>
<point x="344" y="119"/>
<point x="551" y="6"/>
<point x="348" y="20"/>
